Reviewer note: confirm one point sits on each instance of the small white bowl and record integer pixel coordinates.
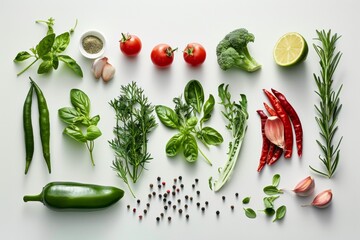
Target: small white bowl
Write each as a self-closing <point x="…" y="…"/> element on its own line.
<point x="96" y="34"/>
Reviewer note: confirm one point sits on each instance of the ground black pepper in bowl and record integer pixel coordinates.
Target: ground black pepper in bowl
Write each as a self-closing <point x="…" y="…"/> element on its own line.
<point x="92" y="44"/>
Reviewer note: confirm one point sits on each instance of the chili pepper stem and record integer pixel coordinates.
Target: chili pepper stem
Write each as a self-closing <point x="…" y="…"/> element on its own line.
<point x="207" y="160"/>
<point x="27" y="67"/>
<point x="33" y="198"/>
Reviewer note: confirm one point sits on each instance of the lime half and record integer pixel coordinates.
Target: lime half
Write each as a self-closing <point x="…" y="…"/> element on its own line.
<point x="290" y="50"/>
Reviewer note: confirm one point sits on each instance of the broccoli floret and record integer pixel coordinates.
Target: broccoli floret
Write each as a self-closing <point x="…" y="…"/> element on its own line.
<point x="232" y="51"/>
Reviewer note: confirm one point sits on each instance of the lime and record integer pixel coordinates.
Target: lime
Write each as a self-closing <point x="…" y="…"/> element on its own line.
<point x="290" y="49"/>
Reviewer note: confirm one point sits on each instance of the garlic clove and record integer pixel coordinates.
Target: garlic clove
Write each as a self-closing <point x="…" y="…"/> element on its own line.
<point x="108" y="72"/>
<point x="274" y="131"/>
<point x="98" y="66"/>
<point x="305" y="187"/>
<point x="323" y="199"/>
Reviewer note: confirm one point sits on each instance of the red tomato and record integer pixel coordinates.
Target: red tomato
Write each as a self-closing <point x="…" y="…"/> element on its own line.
<point x="162" y="55"/>
<point x="130" y="45"/>
<point x="194" y="54"/>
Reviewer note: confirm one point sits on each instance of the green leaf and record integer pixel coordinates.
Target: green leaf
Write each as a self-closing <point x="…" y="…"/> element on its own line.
<point x="269" y="211"/>
<point x="191" y="122"/>
<point x="45" y="67"/>
<point x="272" y="190"/>
<point x="80" y="101"/>
<point x="61" y="42"/>
<point x="210" y="136"/>
<point x="69" y="115"/>
<point x="94" y="120"/>
<point x="208" y="108"/>
<point x="75" y="133"/>
<point x="21" y="56"/>
<point x="276" y="180"/>
<point x="72" y="64"/>
<point x="92" y="132"/>
<point x="191" y="150"/>
<point x="246" y="200"/>
<point x="269" y="201"/>
<point x="250" y="213"/>
<point x="173" y="146"/>
<point x="167" y="116"/>
<point x="55" y="62"/>
<point x="45" y="45"/>
<point x="194" y="95"/>
<point x="280" y="213"/>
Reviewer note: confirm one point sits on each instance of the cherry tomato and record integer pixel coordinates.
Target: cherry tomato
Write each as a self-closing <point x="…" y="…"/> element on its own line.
<point x="162" y="55"/>
<point x="130" y="45"/>
<point x="194" y="54"/>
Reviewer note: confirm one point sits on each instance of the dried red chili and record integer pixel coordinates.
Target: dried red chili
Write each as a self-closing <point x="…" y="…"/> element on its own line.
<point x="270" y="110"/>
<point x="294" y="119"/>
<point x="266" y="142"/>
<point x="277" y="154"/>
<point x="281" y="113"/>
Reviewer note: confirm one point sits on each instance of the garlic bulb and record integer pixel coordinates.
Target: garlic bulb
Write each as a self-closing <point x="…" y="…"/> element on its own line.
<point x="305" y="187"/>
<point x="274" y="131"/>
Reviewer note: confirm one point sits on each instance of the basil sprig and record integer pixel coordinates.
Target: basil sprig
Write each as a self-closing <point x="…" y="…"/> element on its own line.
<point x="49" y="51"/>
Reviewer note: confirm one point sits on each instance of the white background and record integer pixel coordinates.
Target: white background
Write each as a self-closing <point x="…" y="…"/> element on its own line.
<point x="178" y="23"/>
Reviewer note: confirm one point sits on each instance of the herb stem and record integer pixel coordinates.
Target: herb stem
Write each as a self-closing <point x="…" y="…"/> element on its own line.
<point x="27" y="67"/>
<point x="90" y="147"/>
<point x="207" y="159"/>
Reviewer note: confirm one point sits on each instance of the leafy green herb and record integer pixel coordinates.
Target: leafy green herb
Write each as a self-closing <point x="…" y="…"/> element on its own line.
<point x="246" y="200"/>
<point x="329" y="107"/>
<point x="250" y="213"/>
<point x="269" y="211"/>
<point x="272" y="190"/>
<point x="269" y="201"/>
<point x="236" y="115"/>
<point x="49" y="50"/>
<point x="81" y="127"/>
<point x="185" y="118"/>
<point x="134" y="123"/>
<point x="276" y="180"/>
<point x="280" y="213"/>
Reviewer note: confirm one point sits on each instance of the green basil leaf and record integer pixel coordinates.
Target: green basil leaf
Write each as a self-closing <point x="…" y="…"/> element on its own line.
<point x="208" y="108"/>
<point x="173" y="146"/>
<point x="210" y="136"/>
<point x="45" y="67"/>
<point x="272" y="190"/>
<point x="191" y="150"/>
<point x="92" y="132"/>
<point x="167" y="116"/>
<point x="69" y="115"/>
<point x="72" y="64"/>
<point x="276" y="180"/>
<point x="21" y="56"/>
<point x="191" y="122"/>
<point x="75" y="133"/>
<point x="94" y="120"/>
<point x="280" y="213"/>
<point x="269" y="211"/>
<point x="80" y="101"/>
<point x="55" y="62"/>
<point x="61" y="42"/>
<point x="45" y="45"/>
<point x="246" y="200"/>
<point x="194" y="95"/>
<point x="269" y="201"/>
<point x="250" y="213"/>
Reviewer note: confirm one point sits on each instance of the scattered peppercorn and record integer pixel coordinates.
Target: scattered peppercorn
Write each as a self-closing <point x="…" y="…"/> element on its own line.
<point x="151" y="185"/>
<point x="223" y="198"/>
<point x="157" y="219"/>
<point x="198" y="192"/>
<point x="159" y="179"/>
<point x="169" y="202"/>
<point x="232" y="207"/>
<point x="198" y="204"/>
<point x="180" y="178"/>
<point x="186" y="197"/>
<point x="134" y="210"/>
<point x="177" y="190"/>
<point x="175" y="180"/>
<point x="191" y="198"/>
<point x="187" y="216"/>
<point x="218" y="212"/>
<point x="145" y="211"/>
<point x="169" y="218"/>
<point x="168" y="191"/>
<point x="149" y="195"/>
<point x="196" y="180"/>
<point x="174" y="207"/>
<point x="174" y="187"/>
<point x="128" y="206"/>
<point x="162" y="214"/>
<point x="193" y="186"/>
<point x="173" y="193"/>
<point x="185" y="206"/>
<point x="153" y="193"/>
<point x="165" y="207"/>
<point x="138" y="201"/>
<point x="206" y="203"/>
<point x="203" y="209"/>
<point x="236" y="194"/>
<point x="159" y="186"/>
<point x="164" y="200"/>
<point x="179" y="200"/>
<point x="165" y="195"/>
<point x="163" y="183"/>
<point x="140" y="217"/>
<point x="180" y="211"/>
<point x="182" y="185"/>
<point x="148" y="204"/>
<point x="160" y="196"/>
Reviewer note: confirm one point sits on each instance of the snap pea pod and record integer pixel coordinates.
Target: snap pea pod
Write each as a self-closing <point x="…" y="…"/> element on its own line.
<point x="44" y="123"/>
<point x="73" y="195"/>
<point x="28" y="129"/>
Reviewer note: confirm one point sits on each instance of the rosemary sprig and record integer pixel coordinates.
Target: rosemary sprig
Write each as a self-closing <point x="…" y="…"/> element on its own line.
<point x="134" y="122"/>
<point x="329" y="106"/>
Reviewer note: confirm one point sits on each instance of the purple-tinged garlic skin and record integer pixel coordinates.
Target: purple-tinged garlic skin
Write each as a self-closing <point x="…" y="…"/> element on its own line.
<point x="305" y="187"/>
<point x="323" y="199"/>
<point x="98" y="66"/>
<point x="274" y="131"/>
<point x="108" y="72"/>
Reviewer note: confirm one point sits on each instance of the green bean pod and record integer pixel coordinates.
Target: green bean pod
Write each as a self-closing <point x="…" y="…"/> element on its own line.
<point x="28" y="129"/>
<point x="73" y="195"/>
<point x="44" y="124"/>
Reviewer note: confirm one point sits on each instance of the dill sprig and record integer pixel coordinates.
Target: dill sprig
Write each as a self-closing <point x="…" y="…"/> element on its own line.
<point x="134" y="121"/>
<point x="329" y="106"/>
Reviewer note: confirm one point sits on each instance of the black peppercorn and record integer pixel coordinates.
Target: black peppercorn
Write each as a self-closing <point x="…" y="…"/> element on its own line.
<point x="186" y="197"/>
<point x="193" y="185"/>
<point x="157" y="219"/>
<point x="174" y="187"/>
<point x="198" y="204"/>
<point x="160" y="196"/>
<point x="153" y="193"/>
<point x="134" y="210"/>
<point x="179" y="200"/>
<point x="145" y="211"/>
<point x="198" y="192"/>
<point x="165" y="195"/>
<point x="236" y="194"/>
<point x="191" y="198"/>
<point x="185" y="206"/>
<point x="164" y="200"/>
<point x="187" y="216"/>
<point x="149" y="195"/>
<point x="169" y="202"/>
<point x="203" y="209"/>
<point x="180" y="211"/>
<point x="196" y="180"/>
<point x="159" y="186"/>
<point x="223" y="198"/>
<point x="159" y="179"/>
<point x="175" y="180"/>
<point x="151" y="185"/>
<point x="182" y="185"/>
<point x="174" y="207"/>
<point x="218" y="212"/>
<point x="206" y="203"/>
<point x="128" y="206"/>
<point x="148" y="204"/>
<point x="169" y="218"/>
<point x="165" y="207"/>
<point x="162" y="214"/>
<point x="173" y="193"/>
<point x="180" y="178"/>
<point x="232" y="207"/>
<point x="138" y="201"/>
<point x="140" y="217"/>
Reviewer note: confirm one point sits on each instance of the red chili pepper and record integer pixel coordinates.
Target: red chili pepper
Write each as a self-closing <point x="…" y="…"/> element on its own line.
<point x="270" y="153"/>
<point x="294" y="119"/>
<point x="270" y="110"/>
<point x="277" y="154"/>
<point x="266" y="142"/>
<point x="288" y="134"/>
